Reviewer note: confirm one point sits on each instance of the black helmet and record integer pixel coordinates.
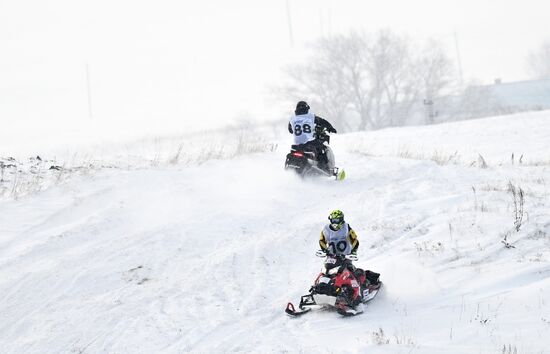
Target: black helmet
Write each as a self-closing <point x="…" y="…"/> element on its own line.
<point x="301" y="108"/>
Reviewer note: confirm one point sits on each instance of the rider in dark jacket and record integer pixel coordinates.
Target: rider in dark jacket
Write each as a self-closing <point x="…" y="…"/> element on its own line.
<point x="302" y="108"/>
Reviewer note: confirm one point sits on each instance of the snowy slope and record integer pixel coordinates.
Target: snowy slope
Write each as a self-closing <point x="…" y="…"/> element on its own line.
<point x="204" y="257"/>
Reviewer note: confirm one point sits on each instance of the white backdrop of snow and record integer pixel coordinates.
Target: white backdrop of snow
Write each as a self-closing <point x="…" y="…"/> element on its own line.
<point x="203" y="257"/>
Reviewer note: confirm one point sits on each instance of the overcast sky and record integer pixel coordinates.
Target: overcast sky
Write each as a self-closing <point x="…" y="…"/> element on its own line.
<point x="174" y="65"/>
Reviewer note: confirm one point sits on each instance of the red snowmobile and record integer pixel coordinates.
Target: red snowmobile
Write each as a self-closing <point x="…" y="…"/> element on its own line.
<point x="339" y="285"/>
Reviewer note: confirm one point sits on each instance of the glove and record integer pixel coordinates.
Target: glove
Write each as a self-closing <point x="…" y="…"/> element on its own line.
<point x="332" y="130"/>
<point x="321" y="253"/>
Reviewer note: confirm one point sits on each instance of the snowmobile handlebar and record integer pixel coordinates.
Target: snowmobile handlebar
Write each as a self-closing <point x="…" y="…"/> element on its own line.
<point x="321" y="133"/>
<point x="320" y="253"/>
<point x="350" y="257"/>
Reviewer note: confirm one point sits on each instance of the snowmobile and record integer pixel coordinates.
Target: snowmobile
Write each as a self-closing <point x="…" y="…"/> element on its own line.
<point x="339" y="285"/>
<point x="304" y="159"/>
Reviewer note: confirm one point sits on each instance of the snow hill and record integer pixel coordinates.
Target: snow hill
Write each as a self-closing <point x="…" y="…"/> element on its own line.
<point x="201" y="254"/>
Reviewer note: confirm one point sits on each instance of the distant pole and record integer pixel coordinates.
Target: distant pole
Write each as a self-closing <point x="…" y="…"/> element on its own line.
<point x="459" y="61"/>
<point x="329" y="26"/>
<point x="322" y="23"/>
<point x="289" y="19"/>
<point x="88" y="86"/>
<point x="326" y="22"/>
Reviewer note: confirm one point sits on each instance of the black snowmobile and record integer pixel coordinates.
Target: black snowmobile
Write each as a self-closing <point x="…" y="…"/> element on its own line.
<point x="339" y="285"/>
<point x="308" y="161"/>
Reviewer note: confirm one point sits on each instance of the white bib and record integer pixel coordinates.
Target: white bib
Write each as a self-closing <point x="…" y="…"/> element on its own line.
<point x="337" y="241"/>
<point x="303" y="128"/>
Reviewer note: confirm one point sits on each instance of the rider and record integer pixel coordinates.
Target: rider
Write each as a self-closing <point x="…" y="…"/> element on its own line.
<point x="338" y="238"/>
<point x="303" y="126"/>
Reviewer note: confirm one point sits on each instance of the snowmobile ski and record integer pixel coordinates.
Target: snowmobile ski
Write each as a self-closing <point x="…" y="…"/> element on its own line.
<point x="340" y="175"/>
<point x="291" y="311"/>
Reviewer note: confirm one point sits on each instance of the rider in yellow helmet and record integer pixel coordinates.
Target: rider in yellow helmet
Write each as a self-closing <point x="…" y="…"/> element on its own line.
<point x="338" y="238"/>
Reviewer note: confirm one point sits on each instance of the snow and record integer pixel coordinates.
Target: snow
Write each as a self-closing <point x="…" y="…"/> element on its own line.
<point x="202" y="254"/>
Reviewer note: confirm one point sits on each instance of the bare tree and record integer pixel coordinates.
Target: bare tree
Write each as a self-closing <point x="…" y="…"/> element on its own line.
<point x="320" y="82"/>
<point x="538" y="61"/>
<point x="394" y="70"/>
<point x="377" y="79"/>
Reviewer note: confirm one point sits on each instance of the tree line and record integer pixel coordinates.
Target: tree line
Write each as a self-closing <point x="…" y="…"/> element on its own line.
<point x="365" y="81"/>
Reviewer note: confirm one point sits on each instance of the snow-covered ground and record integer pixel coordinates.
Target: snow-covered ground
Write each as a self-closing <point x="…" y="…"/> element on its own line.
<point x="202" y="254"/>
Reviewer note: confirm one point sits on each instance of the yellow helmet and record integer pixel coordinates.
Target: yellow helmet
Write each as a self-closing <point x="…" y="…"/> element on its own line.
<point x="336" y="218"/>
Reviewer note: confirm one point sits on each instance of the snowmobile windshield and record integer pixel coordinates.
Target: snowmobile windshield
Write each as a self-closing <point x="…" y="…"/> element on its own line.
<point x="332" y="264"/>
<point x="333" y="271"/>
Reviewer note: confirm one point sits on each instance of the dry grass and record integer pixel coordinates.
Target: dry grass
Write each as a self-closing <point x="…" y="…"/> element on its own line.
<point x="25" y="177"/>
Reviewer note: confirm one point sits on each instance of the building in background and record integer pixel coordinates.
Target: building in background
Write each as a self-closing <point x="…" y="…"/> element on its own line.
<point x="488" y="100"/>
